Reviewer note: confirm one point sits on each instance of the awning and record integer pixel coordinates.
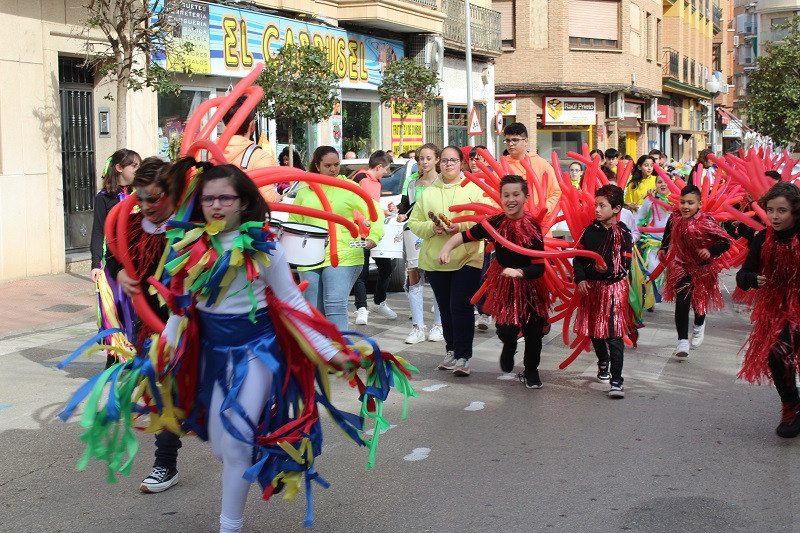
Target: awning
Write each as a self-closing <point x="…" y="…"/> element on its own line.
<point x="629" y="124"/>
<point x="732" y="118"/>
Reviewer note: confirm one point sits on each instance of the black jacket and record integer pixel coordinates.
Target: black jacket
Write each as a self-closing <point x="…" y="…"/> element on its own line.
<point x="103" y="203"/>
<point x="532" y="268"/>
<point x="747" y="277"/>
<point x="597" y="238"/>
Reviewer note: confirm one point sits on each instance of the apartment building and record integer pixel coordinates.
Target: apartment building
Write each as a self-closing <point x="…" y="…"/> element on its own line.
<point x="689" y="30"/>
<point x="56" y="128"/>
<point x="581" y="71"/>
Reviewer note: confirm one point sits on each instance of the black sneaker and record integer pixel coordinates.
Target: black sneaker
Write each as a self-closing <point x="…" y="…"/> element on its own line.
<point x="507" y="361"/>
<point x="531" y="381"/>
<point x="603" y="375"/>
<point x="617" y="391"/>
<point x="159" y="480"/>
<point x="789" y="427"/>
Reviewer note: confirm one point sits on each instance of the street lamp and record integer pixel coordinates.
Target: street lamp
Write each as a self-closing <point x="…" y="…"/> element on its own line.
<point x="713" y="86"/>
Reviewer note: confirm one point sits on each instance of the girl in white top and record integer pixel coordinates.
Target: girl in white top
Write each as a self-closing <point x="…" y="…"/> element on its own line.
<point x="240" y="354"/>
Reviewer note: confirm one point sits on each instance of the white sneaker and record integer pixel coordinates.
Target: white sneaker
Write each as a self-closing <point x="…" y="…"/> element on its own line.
<point x="362" y="316"/>
<point x="698" y="332"/>
<point x="683" y="348"/>
<point x="417" y="335"/>
<point x="436" y="333"/>
<point x="385" y="311"/>
<point x="483" y="322"/>
<point x="461" y="368"/>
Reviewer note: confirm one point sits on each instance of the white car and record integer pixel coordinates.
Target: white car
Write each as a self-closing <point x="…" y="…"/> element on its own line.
<point x="391" y="193"/>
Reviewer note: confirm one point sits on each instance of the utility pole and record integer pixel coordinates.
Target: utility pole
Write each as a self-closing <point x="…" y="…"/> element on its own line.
<point x="468" y="43"/>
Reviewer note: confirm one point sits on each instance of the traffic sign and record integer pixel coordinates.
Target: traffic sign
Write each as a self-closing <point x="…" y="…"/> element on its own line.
<point x="498" y="122"/>
<point x="475" y="127"/>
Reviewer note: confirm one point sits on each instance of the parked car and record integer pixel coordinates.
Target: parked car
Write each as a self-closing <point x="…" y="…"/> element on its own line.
<point x="391" y="192"/>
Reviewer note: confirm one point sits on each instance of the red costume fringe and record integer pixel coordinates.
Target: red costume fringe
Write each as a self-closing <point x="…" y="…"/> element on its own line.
<point x="515" y="301"/>
<point x="777" y="306"/>
<point x="687" y="272"/>
<point x="606" y="297"/>
<point x="145" y="250"/>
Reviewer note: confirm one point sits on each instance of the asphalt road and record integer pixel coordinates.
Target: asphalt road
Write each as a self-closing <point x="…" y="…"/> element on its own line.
<point x="688" y="449"/>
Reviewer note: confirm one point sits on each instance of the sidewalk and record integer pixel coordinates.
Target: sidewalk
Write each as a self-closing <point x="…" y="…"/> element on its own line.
<point x="45" y="302"/>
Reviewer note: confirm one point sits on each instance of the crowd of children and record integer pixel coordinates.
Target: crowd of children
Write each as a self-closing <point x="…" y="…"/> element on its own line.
<point x="226" y="275"/>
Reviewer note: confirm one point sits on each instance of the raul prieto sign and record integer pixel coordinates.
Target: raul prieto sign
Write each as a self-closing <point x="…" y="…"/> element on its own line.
<point x="568" y="111"/>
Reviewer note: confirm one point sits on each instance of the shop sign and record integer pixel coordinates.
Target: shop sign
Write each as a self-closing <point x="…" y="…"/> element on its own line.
<point x="506" y="106"/>
<point x="664" y="114"/>
<point x="228" y="41"/>
<point x="732" y="130"/>
<point x="412" y="130"/>
<point x="568" y="110"/>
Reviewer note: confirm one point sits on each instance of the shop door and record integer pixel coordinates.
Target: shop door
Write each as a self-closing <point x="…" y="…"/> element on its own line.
<point x="630" y="145"/>
<point x="77" y="152"/>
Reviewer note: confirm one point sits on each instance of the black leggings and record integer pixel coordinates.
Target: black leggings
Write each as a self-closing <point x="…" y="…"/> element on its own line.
<point x="683" y="301"/>
<point x="533" y="333"/>
<point x="782" y="364"/>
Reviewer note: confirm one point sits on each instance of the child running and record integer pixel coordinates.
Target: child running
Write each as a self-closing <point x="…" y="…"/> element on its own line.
<point x="516" y="299"/>
<point x="603" y="311"/>
<point x="771" y="268"/>
<point x="692" y="277"/>
<point x="156" y="198"/>
<point x="243" y="364"/>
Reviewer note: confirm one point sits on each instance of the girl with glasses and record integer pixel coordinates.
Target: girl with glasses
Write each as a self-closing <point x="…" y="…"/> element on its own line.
<point x="455" y="283"/>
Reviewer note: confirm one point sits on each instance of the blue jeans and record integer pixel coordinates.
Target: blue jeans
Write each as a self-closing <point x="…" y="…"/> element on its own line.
<point x="329" y="289"/>
<point x="454" y="290"/>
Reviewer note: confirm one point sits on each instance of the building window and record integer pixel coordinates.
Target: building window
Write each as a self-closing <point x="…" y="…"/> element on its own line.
<point x="746" y="54"/>
<point x="716" y="57"/>
<point x="658" y="37"/>
<point x="458" y="122"/>
<point x="507" y="27"/>
<point x="648" y="36"/>
<point x="685" y="69"/>
<point x="692" y="73"/>
<point x="778" y="34"/>
<point x="594" y="23"/>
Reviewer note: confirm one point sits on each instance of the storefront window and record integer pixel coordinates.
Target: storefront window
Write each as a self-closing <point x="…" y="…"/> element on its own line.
<point x="173" y="112"/>
<point x="360" y="125"/>
<point x="561" y="142"/>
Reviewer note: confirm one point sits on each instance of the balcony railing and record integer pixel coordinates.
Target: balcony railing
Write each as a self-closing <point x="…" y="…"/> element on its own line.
<point x="426" y="3"/>
<point x="484" y="26"/>
<point x="670" y="63"/>
<point x="717" y="14"/>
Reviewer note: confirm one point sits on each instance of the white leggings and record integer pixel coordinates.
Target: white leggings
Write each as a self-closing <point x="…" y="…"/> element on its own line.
<point x="236" y="456"/>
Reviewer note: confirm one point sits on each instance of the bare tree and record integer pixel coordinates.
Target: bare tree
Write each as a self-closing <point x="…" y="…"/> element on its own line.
<point x="136" y="32"/>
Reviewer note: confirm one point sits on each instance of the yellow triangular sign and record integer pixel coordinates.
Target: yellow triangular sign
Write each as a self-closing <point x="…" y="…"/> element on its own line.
<point x="475" y="127"/>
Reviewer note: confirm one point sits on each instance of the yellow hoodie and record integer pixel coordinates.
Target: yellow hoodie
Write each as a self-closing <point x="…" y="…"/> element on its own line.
<point x="438" y="198"/>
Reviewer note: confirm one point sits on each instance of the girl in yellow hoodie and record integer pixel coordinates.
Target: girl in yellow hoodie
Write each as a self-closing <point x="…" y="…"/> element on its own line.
<point x="455" y="283"/>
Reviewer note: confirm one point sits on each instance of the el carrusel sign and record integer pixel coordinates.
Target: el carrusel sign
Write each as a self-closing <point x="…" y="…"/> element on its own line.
<point x="568" y="111"/>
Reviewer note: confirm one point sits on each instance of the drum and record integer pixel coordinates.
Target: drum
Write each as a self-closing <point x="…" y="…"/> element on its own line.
<point x="303" y="244"/>
<point x="412" y="245"/>
<point x="391" y="245"/>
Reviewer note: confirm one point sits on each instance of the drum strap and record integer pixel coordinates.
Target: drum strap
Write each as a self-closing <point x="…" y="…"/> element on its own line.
<point x="248" y="153"/>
